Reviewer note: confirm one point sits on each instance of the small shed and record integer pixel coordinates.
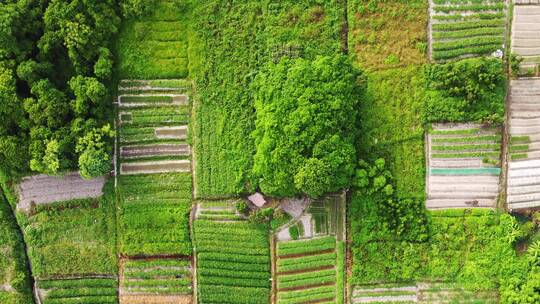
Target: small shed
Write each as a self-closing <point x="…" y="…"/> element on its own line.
<point x="257" y="199"/>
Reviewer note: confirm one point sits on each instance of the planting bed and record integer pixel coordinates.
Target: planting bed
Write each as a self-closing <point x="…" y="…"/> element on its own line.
<point x="155" y="183"/>
<point x="524" y="150"/>
<point x="233" y="262"/>
<point x="44" y="189"/>
<point x="154" y="214"/>
<point x="526" y="34"/>
<point x="155" y="45"/>
<point x="310" y="271"/>
<point x="420" y="293"/>
<point x="77" y="291"/>
<point x="462" y="28"/>
<point x="223" y="211"/>
<point x="162" y="280"/>
<point x="463" y="166"/>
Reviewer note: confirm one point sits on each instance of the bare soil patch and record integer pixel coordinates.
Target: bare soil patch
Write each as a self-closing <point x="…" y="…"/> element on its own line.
<point x="156" y="299"/>
<point x="299" y="255"/>
<point x="306" y="287"/>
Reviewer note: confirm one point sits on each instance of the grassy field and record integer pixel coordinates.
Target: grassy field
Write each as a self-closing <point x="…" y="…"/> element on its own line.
<point x="155" y="45"/>
<point x="233" y="266"/>
<point x="13" y="263"/>
<point x="387" y="34"/>
<point x="391" y="126"/>
<point x="72" y="238"/>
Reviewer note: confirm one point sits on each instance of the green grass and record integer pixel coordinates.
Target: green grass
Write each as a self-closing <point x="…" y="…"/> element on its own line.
<point x="233" y="262"/>
<point x="73" y="238"/>
<point x="156" y="45"/>
<point x="13" y="263"/>
<point x="391" y="126"/>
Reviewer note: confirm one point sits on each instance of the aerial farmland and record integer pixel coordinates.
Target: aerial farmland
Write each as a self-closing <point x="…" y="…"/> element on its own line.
<point x="269" y="152"/>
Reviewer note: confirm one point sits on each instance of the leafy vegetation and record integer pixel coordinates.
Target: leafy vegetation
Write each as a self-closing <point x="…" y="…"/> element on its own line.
<point x="54" y="64"/>
<point x="468" y="90"/>
<point x="87" y="291"/>
<point x="72" y="238"/>
<point x="233" y="266"/>
<point x="154" y="214"/>
<point x="13" y="263"/>
<point x="294" y="99"/>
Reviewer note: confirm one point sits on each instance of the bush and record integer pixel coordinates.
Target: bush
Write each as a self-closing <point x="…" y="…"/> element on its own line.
<point x="467" y="90"/>
<point x="293" y="231"/>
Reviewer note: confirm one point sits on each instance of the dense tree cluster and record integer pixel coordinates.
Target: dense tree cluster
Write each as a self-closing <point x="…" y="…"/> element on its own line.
<point x="54" y="64"/>
<point x="305" y="126"/>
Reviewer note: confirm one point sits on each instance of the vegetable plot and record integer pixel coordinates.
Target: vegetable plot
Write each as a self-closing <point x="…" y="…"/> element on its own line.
<point x="233" y="262"/>
<point x="463" y="166"/>
<point x="307" y="272"/>
<point x="77" y="291"/>
<point x="526" y="35"/>
<point x="463" y="28"/>
<point x="161" y="280"/>
<point x="524" y="150"/>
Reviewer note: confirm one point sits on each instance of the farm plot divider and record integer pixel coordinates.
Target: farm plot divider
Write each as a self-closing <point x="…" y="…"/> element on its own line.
<point x="463" y="28"/>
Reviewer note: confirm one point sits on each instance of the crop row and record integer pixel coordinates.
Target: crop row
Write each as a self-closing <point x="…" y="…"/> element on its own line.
<point x="478" y="16"/>
<point x="83" y="300"/>
<point x="155" y="117"/>
<point x="466" y="43"/>
<point x="477" y="50"/>
<point x="307" y="262"/>
<point x="227" y="273"/>
<point x="440" y="2"/>
<point x="467" y="155"/>
<point x="456" y="26"/>
<point x="492" y="147"/>
<point x="146" y="99"/>
<point x="470" y="8"/>
<point x="483" y="138"/>
<point x="304" y="280"/>
<point x="469" y="33"/>
<point x="307" y="295"/>
<point x="81" y="283"/>
<point x="303" y="247"/>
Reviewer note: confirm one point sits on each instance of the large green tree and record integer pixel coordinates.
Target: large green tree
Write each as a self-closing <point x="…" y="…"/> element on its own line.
<point x="305" y="125"/>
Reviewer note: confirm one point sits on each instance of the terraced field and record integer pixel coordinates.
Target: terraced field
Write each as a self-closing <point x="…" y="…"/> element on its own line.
<point x="524" y="159"/>
<point x="463" y="28"/>
<point x="233" y="261"/>
<point x="310" y="271"/>
<point x="155" y="281"/>
<point x="464" y="166"/>
<point x="154" y="182"/>
<point x="526" y="34"/>
<point x="76" y="291"/>
<point x="420" y="293"/>
<point x="155" y="45"/>
<point x="44" y="189"/>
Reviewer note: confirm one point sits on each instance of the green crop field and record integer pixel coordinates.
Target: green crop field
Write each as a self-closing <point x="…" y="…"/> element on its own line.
<point x="233" y="266"/>
<point x="260" y="151"/>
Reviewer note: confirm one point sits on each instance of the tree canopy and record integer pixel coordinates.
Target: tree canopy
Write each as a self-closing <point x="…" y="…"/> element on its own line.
<point x="305" y="125"/>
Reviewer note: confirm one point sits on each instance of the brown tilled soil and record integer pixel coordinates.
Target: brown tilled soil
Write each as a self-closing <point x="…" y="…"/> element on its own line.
<point x="155" y="299"/>
<point x="171" y="133"/>
<point x="154" y="167"/>
<point x="155" y="150"/>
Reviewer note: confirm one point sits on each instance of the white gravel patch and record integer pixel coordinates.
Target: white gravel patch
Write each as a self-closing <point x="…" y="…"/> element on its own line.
<point x="44" y="189"/>
<point x="294" y="207"/>
<point x="306" y="222"/>
<point x="385" y="299"/>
